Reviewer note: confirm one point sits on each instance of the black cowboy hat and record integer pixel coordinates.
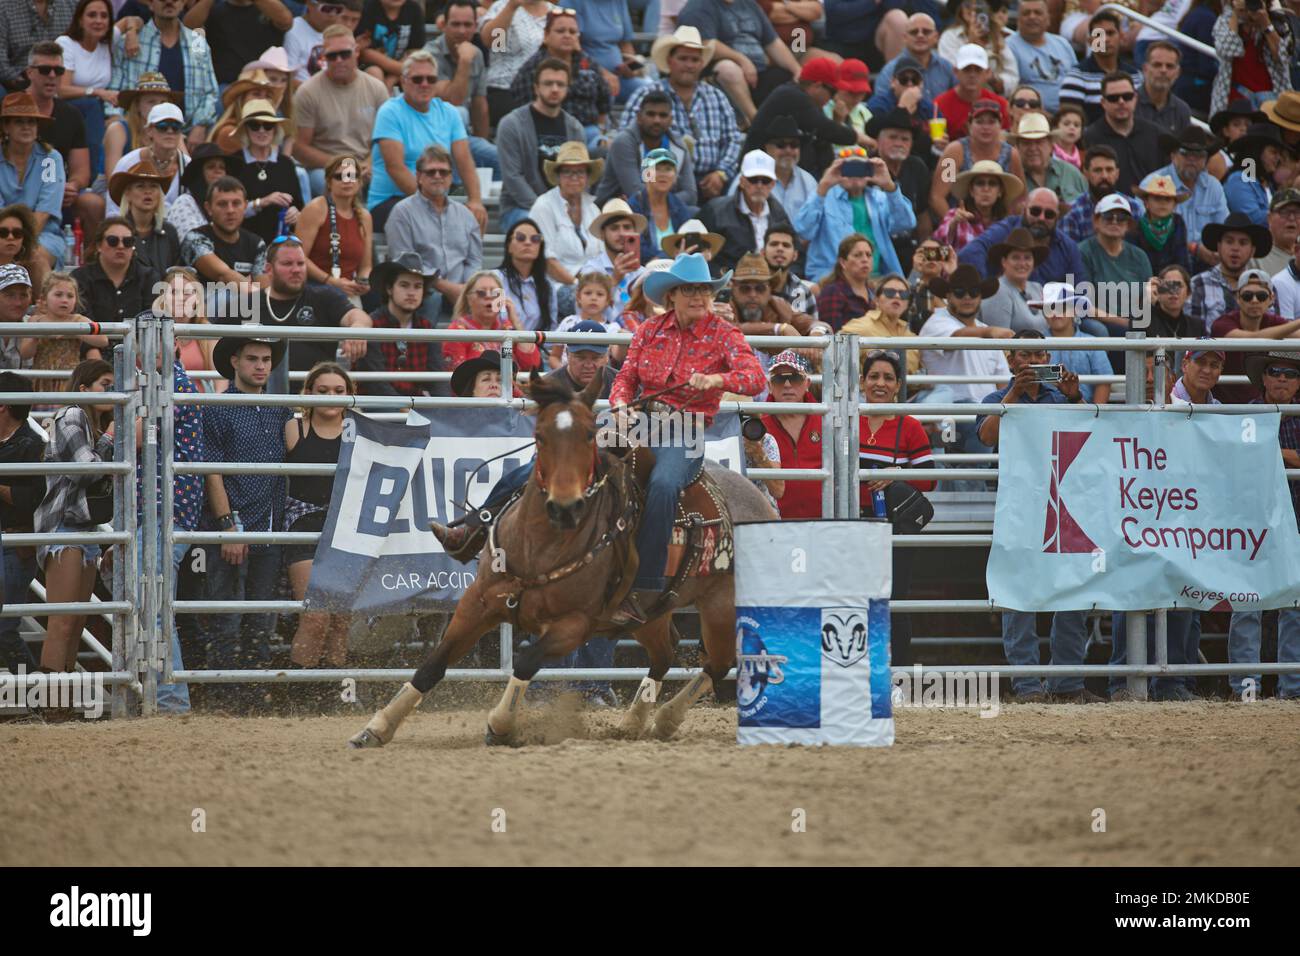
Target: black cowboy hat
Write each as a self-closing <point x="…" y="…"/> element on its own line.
<point x="1190" y="137"/>
<point x="897" y="118"/>
<point x="1236" y="109"/>
<point x="782" y="127"/>
<point x="1238" y="222"/>
<point x="227" y="347"/>
<point x="1255" y="364"/>
<point x="384" y="273"/>
<point x="1019" y="239"/>
<point x="192" y="177"/>
<point x="965" y="277"/>
<point x="464" y="374"/>
<point x="1257" y="137"/>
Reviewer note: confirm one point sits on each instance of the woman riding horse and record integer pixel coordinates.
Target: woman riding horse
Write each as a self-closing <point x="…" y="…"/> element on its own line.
<point x="686" y="358"/>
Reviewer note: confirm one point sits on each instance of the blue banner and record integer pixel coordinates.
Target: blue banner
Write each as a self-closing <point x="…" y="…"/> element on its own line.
<point x="376" y="554"/>
<point x="1130" y="511"/>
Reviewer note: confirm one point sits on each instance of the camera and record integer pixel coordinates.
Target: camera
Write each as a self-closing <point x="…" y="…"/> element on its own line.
<point x="1046" y="373"/>
<point x="753" y="428"/>
<point x="936" y="255"/>
<point x="855" y="168"/>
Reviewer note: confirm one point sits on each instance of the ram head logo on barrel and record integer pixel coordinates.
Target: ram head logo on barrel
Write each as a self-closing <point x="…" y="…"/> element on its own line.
<point x="844" y="634"/>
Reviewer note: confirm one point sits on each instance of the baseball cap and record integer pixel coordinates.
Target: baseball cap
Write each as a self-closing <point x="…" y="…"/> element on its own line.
<point x="14" y="274"/>
<point x="792" y="360"/>
<point x="972" y="55"/>
<point x="758" y="163"/>
<point x="819" y="69"/>
<point x="854" y="77"/>
<point x="1111" y="202"/>
<point x="586" y="325"/>
<point x="908" y="64"/>
<point x="165" y="111"/>
<point x="1254" y="275"/>
<point x="1059" y="296"/>
<point x="1284" y="197"/>
<point x="985" y="106"/>
<point x="1207" y="349"/>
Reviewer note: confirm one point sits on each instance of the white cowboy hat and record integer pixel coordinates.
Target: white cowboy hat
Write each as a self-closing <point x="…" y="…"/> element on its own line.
<point x="682" y="36"/>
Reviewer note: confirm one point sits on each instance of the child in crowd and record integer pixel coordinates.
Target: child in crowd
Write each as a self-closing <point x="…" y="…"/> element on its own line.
<point x="594" y="295"/>
<point x="58" y="303"/>
<point x="394" y="28"/>
<point x="1068" y="126"/>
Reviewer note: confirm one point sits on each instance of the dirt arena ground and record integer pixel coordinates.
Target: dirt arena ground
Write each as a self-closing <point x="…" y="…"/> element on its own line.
<point x="1200" y="783"/>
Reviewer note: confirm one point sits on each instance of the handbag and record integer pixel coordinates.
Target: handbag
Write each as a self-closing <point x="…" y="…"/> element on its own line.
<point x="907" y="509"/>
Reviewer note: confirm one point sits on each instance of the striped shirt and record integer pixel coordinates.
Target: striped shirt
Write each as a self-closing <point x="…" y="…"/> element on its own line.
<point x="888" y="448"/>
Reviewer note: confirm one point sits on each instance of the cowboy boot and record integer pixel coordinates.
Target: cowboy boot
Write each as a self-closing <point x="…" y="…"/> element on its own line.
<point x="630" y="613"/>
<point x="462" y="542"/>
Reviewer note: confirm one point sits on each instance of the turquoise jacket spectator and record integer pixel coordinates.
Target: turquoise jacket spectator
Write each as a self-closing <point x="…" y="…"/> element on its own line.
<point x="1247" y="196"/>
<point x="825" y="220"/>
<point x="201" y="95"/>
<point x="678" y="214"/>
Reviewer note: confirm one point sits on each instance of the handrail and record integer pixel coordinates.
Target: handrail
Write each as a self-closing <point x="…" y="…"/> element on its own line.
<point x="1168" y="31"/>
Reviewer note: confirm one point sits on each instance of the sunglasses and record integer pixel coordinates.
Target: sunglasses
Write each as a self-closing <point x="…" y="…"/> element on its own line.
<point x="895" y="294"/>
<point x="126" y="242"/>
<point x="1254" y="296"/>
<point x="1193" y="153"/>
<point x="754" y="287"/>
<point x="785" y="143"/>
<point x="486" y="293"/>
<point x="1027" y="104"/>
<point x="339" y="55"/>
<point x="287" y="237"/>
<point x="330" y="9"/>
<point x="958" y="292"/>
<point x="1282" y="371"/>
<point x="533" y="239"/>
<point x="1038" y="212"/>
<point x="909" y="79"/>
<point x="1115" y="217"/>
<point x="7" y="233"/>
<point x="1120" y="97"/>
<point x="50" y="70"/>
<point x="760" y="180"/>
<point x="169" y="126"/>
<point x="256" y="126"/>
<point x="787" y="378"/>
<point x="920" y="32"/>
<point x="435" y="173"/>
<point x="424" y="79"/>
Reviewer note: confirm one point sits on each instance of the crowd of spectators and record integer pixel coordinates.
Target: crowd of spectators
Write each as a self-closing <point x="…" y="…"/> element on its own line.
<point x="984" y="169"/>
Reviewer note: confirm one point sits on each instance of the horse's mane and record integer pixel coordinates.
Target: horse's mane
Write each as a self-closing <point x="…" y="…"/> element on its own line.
<point x="548" y="391"/>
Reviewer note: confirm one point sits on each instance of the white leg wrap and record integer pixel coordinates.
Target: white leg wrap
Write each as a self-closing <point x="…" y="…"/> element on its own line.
<point x="389" y="717"/>
<point x="501" y="719"/>
<point x="672" y="714"/>
<point x="643" y="704"/>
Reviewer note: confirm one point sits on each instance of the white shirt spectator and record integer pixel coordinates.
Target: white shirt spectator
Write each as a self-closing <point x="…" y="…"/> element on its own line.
<point x="568" y="244"/>
<point x="299" y="42"/>
<point x="522" y="40"/>
<point x="986" y="363"/>
<point x="760" y="220"/>
<point x="1286" y="287"/>
<point x="170" y="194"/>
<point x="87" y="69"/>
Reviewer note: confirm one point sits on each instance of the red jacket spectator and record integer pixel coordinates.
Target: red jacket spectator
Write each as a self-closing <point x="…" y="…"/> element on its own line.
<point x="802" y="499"/>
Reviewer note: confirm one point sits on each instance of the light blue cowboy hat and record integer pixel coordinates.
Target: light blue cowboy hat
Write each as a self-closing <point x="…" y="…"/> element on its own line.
<point x="689" y="269"/>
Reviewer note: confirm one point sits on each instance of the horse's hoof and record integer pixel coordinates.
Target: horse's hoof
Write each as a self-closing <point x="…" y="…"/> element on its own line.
<point x="366" y="740"/>
<point x="665" y="730"/>
<point x="492" y="739"/>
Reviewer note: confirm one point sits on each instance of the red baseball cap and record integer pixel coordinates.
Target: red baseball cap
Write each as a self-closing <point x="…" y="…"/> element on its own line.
<point x="986" y="106"/>
<point x="820" y="69"/>
<point x="854" y="77"/>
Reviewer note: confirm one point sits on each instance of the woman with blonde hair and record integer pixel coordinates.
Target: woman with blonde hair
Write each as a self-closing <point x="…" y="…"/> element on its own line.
<point x="484" y="305"/>
<point x="314" y="437"/>
<point x="182" y="299"/>
<point x="336" y="230"/>
<point x="269" y="176"/>
<point x="126" y="133"/>
<point x="138" y="193"/>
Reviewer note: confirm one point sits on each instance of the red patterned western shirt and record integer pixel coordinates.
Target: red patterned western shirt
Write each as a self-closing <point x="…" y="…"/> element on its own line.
<point x="453" y="353"/>
<point x="663" y="354"/>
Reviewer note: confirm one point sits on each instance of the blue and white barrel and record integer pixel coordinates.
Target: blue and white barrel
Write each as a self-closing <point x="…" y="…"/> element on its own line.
<point x="812" y="633"/>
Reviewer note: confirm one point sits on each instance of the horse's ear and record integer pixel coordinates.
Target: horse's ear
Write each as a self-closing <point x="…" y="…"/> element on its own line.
<point x="533" y="379"/>
<point x="592" y="391"/>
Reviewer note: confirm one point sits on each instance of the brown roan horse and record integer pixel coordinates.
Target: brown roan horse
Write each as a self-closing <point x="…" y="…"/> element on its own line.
<point x="558" y="563"/>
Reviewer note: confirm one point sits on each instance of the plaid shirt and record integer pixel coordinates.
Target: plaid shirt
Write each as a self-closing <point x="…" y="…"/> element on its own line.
<point x="201" y="97"/>
<point x="588" y="98"/>
<point x="838" y="303"/>
<point x="710" y="123"/>
<point x="956" y="232"/>
<point x="801" y="294"/>
<point x="65" y="495"/>
<point x="406" y="356"/>
<point x="453" y="353"/>
<point x="662" y="354"/>
<point x="21" y="29"/>
<point x="1077" y="224"/>
<point x="1211" y="296"/>
<point x="187" y="446"/>
<point x="1229" y="46"/>
<point x="1288" y="436"/>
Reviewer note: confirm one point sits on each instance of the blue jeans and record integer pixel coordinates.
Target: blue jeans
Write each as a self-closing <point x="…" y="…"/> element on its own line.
<point x="172" y="698"/>
<point x="1069" y="644"/>
<point x="511" y="216"/>
<point x="1179" y="640"/>
<point x="91" y="109"/>
<point x="238" y="641"/>
<point x="485" y="154"/>
<point x="1244" y="642"/>
<point x="18" y="575"/>
<point x="316" y="178"/>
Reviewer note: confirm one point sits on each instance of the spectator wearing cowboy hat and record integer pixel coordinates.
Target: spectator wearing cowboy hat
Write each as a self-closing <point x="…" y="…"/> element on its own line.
<point x="702" y="116"/>
<point x="1284" y="113"/>
<point x="1283" y="227"/>
<point x="664" y="212"/>
<point x="985" y="194"/>
<point x="403" y="282"/>
<point x="756" y="307"/>
<point x="964" y="292"/>
<point x="794" y="184"/>
<point x="866" y="201"/>
<point x="565" y="212"/>
<point x="1257" y="156"/>
<point x="479" y="377"/>
<point x="1162" y="233"/>
<point x="162" y="147"/>
<point x="1214" y="291"/>
<point x="1034" y="141"/>
<point x="139" y="193"/>
<point x="1254" y="57"/>
<point x="32" y="173"/>
<point x="749" y="61"/>
<point x="270" y="176"/>
<point x="798" y="436"/>
<point x="1012" y="261"/>
<point x="693" y="237"/>
<point x="1254" y="318"/>
<point x="1136" y="142"/>
<point x="743" y="219"/>
<point x="619" y="229"/>
<point x="1189" y="151"/>
<point x="653" y="129"/>
<point x="251" y="85"/>
<point x="1277" y="376"/>
<point x="973" y="74"/>
<point x="804" y="100"/>
<point x="886" y="320"/>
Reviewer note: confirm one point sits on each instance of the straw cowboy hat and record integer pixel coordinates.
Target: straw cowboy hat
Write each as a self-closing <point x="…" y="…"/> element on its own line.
<point x="572" y="154"/>
<point x="965" y="276"/>
<point x="141" y="172"/>
<point x="227" y="347"/>
<point x="1284" y="111"/>
<point x="1018" y="240"/>
<point x="22" y="106"/>
<point x="149" y="83"/>
<point x="1257" y="363"/>
<point x="686" y="270"/>
<point x="1158" y="185"/>
<point x="260" y="111"/>
<point x="1011" y="186"/>
<point x="682" y="36"/>
<point x="693" y="231"/>
<point x="611" y="211"/>
<point x="752" y="267"/>
<point x="249" y="80"/>
<point x="1034" y="126"/>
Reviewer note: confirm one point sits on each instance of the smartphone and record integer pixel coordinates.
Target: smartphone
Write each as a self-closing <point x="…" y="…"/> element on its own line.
<point x="1047" y="373"/>
<point x="855" y="168"/>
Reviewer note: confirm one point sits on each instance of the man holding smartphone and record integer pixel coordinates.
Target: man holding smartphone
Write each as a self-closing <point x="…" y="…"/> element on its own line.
<point x="619" y="228"/>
